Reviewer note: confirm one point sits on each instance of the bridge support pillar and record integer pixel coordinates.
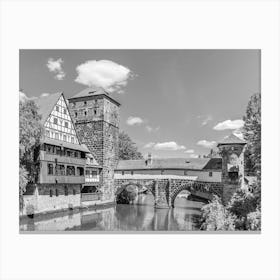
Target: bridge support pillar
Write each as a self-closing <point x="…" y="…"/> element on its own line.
<point x="162" y="194"/>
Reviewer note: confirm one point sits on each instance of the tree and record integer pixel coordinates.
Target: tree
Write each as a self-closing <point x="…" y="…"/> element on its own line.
<point x="127" y="148"/>
<point x="30" y="131"/>
<point x="252" y="134"/>
<point x="215" y="216"/>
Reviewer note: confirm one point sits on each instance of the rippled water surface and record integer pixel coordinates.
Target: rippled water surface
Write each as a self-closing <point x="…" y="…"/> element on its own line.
<point x="121" y="217"/>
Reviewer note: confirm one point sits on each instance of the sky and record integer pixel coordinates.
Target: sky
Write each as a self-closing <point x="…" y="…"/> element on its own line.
<point x="174" y="103"/>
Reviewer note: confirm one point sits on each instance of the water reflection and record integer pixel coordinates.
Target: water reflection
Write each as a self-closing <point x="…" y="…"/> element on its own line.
<point x="121" y="218"/>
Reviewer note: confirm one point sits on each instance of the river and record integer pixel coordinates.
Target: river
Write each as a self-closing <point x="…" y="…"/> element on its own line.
<point x="121" y="217"/>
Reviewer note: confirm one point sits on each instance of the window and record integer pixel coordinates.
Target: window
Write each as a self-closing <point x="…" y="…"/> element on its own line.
<point x="94" y="173"/>
<point x="64" y="111"/>
<point x="87" y="173"/>
<point x="56" y="136"/>
<point x="65" y="190"/>
<point x="57" y="108"/>
<point x="85" y="103"/>
<point x="47" y="133"/>
<point x="60" y="169"/>
<point x="131" y="172"/>
<point x="161" y="172"/>
<point x="210" y="174"/>
<point x="51" y="193"/>
<point x="122" y="172"/>
<point x="74" y="192"/>
<point x="50" y="169"/>
<point x="55" y="120"/>
<point x="72" y="139"/>
<point x="49" y="149"/>
<point x="68" y="153"/>
<point x="185" y="172"/>
<point x="94" y="112"/>
<point x="56" y="192"/>
<point x="64" y="137"/>
<point x="76" y="114"/>
<point x="58" y="150"/>
<point x="80" y="171"/>
<point x="75" y="154"/>
<point x="85" y="113"/>
<point x="66" y="124"/>
<point x="70" y="171"/>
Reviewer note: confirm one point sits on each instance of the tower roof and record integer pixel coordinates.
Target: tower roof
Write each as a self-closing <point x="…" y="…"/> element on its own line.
<point x="94" y="91"/>
<point x="231" y="139"/>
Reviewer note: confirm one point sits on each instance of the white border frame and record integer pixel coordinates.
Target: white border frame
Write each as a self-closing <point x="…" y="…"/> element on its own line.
<point x="156" y="24"/>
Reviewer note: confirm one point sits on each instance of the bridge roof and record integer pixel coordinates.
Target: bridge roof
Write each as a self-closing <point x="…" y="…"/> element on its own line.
<point x="152" y="176"/>
<point x="172" y="163"/>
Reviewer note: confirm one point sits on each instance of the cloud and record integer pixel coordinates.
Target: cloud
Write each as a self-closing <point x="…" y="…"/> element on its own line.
<point x="22" y="96"/>
<point x="189" y="151"/>
<point x="55" y="66"/>
<point x="107" y="74"/>
<point x="149" y="145"/>
<point x="168" y="146"/>
<point x="206" y="144"/>
<point x="228" y="124"/>
<point x="206" y="120"/>
<point x="194" y="156"/>
<point x="152" y="129"/>
<point x="134" y="121"/>
<point x="45" y="94"/>
<point x="238" y="133"/>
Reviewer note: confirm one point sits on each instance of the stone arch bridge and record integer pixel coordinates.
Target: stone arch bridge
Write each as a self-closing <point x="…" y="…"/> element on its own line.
<point x="166" y="190"/>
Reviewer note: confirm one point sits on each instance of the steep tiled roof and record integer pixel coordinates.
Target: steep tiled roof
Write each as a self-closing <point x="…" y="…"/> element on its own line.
<point x="93" y="91"/>
<point x="46" y="104"/>
<point x="231" y="139"/>
<point x="171" y="163"/>
<point x="72" y="146"/>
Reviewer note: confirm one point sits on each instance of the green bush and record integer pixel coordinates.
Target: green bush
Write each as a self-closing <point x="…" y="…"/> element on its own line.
<point x="216" y="217"/>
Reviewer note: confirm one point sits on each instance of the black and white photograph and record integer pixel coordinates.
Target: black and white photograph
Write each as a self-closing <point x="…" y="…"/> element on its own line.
<point x="140" y="140"/>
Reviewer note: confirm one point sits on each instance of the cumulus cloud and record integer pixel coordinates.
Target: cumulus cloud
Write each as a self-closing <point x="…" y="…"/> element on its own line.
<point x="194" y="156"/>
<point x="55" y="66"/>
<point x="206" y="144"/>
<point x="206" y="120"/>
<point x="45" y="94"/>
<point x="107" y="74"/>
<point x="149" y="145"/>
<point x="169" y="146"/>
<point x="229" y="124"/>
<point x="134" y="121"/>
<point x="152" y="129"/>
<point x="189" y="151"/>
<point x="22" y="96"/>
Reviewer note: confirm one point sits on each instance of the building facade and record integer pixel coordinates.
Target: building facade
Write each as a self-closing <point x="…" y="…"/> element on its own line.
<point x="96" y="117"/>
<point x="203" y="169"/>
<point x="61" y="160"/>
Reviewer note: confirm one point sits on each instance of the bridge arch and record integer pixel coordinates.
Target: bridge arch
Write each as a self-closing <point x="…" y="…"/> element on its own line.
<point x="150" y="186"/>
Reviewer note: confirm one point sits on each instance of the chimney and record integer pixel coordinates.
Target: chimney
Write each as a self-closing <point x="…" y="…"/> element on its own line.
<point x="149" y="160"/>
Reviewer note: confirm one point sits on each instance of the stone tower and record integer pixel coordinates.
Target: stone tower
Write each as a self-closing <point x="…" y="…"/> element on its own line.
<point x="96" y="118"/>
<point x="231" y="149"/>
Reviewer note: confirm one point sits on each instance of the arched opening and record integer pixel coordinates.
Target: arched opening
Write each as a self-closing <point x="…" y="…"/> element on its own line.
<point x="135" y="194"/>
<point x="187" y="198"/>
